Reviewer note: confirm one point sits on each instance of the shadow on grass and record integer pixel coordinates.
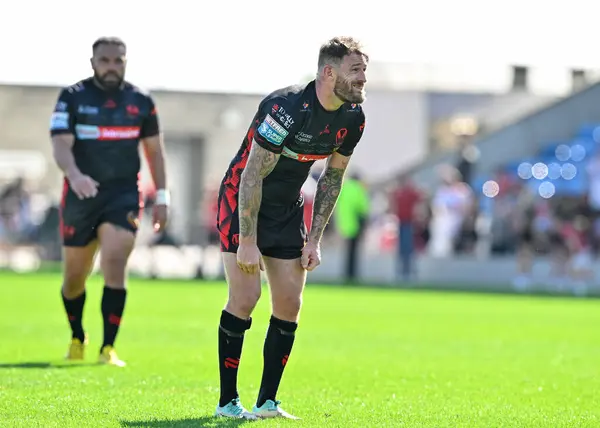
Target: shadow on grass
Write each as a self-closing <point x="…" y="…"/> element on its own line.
<point x="205" y="421"/>
<point x="45" y="365"/>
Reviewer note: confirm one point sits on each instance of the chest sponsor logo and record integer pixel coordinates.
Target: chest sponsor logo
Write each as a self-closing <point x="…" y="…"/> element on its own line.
<point x="302" y="137"/>
<point x="272" y="131"/>
<point x="59" y="121"/>
<point x="302" y="157"/>
<point x="87" y="110"/>
<point x="107" y="133"/>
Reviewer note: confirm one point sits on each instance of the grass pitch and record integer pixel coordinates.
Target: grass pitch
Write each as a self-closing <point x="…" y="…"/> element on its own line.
<point x="363" y="358"/>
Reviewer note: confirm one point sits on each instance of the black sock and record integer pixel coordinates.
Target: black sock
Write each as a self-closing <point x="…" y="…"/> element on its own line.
<point x="74" y="309"/>
<point x="113" y="304"/>
<point x="231" y="339"/>
<point x="278" y="346"/>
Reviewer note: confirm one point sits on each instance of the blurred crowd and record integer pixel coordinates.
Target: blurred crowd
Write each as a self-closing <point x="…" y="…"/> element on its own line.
<point x="505" y="217"/>
<point x="28" y="218"/>
<point x="450" y="219"/>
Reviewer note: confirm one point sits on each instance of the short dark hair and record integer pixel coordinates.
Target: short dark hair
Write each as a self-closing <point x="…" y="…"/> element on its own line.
<point x="334" y="51"/>
<point x="115" y="41"/>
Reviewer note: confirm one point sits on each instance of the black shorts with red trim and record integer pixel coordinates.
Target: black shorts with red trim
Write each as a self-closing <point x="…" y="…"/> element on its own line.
<point x="281" y="229"/>
<point x="81" y="218"/>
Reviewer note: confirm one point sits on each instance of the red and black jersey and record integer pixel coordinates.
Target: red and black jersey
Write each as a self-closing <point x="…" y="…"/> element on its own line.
<point x="107" y="126"/>
<point x="292" y="122"/>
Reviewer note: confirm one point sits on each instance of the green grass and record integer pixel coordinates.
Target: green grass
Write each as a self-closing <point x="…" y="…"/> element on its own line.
<point x="362" y="358"/>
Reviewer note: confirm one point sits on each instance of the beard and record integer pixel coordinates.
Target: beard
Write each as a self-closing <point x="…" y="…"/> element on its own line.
<point x="109" y="80"/>
<point x="348" y="93"/>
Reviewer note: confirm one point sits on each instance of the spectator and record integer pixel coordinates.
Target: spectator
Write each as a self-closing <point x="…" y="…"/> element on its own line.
<point x="451" y="204"/>
<point x="351" y="214"/>
<point x="404" y="203"/>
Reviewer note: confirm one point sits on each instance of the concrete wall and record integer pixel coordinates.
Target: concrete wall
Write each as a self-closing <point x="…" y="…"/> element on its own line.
<point x="396" y="133"/>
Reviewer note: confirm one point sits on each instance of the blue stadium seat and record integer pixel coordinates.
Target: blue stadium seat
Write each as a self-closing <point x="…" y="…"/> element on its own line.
<point x="550" y="148"/>
<point x="587" y="130"/>
<point x="547" y="154"/>
<point x="590" y="146"/>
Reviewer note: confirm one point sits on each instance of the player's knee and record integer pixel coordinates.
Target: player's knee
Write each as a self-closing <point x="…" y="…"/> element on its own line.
<point x="113" y="262"/>
<point x="114" y="266"/>
<point x="73" y="284"/>
<point x="242" y="301"/>
<point x="287" y="307"/>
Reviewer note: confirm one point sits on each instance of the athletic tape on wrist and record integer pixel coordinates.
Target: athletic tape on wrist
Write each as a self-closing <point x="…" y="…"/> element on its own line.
<point x="163" y="197"/>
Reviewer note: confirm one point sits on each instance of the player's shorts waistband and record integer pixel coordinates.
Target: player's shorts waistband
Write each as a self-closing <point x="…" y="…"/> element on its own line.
<point x="275" y="203"/>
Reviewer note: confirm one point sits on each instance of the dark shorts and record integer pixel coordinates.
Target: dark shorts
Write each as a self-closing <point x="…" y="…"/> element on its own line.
<point x="80" y="219"/>
<point x="281" y="229"/>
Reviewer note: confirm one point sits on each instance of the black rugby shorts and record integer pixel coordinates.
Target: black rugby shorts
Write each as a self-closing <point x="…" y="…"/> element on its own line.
<point x="281" y="229"/>
<point x="80" y="219"/>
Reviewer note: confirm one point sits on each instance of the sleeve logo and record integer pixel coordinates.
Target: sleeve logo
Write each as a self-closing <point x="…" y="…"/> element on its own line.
<point x="60" y="106"/>
<point x="59" y="121"/>
<point x="272" y="131"/>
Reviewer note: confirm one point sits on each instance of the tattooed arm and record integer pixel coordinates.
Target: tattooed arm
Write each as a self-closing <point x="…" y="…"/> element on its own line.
<point x="328" y="190"/>
<point x="260" y="164"/>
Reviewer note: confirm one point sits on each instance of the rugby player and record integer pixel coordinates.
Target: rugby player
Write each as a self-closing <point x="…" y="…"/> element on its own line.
<point x="96" y="129"/>
<point x="260" y="217"/>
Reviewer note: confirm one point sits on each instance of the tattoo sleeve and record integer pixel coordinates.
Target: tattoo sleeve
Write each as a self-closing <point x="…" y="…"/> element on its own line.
<point x="260" y="164"/>
<point x="328" y="190"/>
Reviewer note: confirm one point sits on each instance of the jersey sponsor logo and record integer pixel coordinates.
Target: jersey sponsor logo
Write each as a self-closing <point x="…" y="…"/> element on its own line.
<point x="277" y="127"/>
<point x="107" y="133"/>
<point x="272" y="131"/>
<point x="302" y="157"/>
<point x="302" y="137"/>
<point x="87" y="110"/>
<point x="87" y="132"/>
<point x="283" y="116"/>
<point x="59" y="121"/>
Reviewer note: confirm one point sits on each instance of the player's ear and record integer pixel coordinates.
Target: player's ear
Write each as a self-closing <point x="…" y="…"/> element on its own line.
<point x="329" y="72"/>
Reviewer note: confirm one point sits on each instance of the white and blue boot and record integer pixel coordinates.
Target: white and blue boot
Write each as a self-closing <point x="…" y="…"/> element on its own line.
<point x="271" y="409"/>
<point x="234" y="409"/>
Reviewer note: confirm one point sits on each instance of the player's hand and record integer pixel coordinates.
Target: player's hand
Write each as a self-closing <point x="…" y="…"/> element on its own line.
<point x="83" y="186"/>
<point x="159" y="217"/>
<point x="311" y="255"/>
<point x="249" y="258"/>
